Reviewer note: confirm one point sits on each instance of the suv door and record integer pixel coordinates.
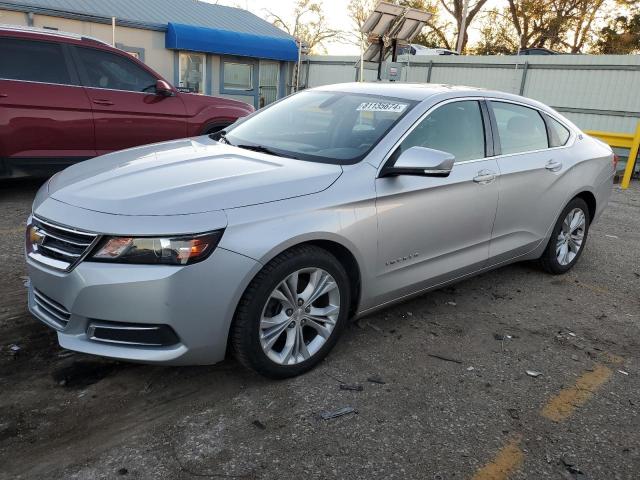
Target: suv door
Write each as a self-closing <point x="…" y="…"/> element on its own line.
<point x="126" y="110"/>
<point x="433" y="229"/>
<point x="45" y="116"/>
<point x="531" y="188"/>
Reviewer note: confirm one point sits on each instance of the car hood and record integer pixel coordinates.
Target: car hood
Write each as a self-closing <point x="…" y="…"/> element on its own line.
<point x="187" y="176"/>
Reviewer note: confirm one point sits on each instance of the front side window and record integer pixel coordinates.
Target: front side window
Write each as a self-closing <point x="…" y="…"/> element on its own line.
<point x="192" y="71"/>
<point x="107" y="70"/>
<point x="455" y="128"/>
<point x="238" y="76"/>
<point x="33" y="61"/>
<point x="328" y="127"/>
<point x="521" y="129"/>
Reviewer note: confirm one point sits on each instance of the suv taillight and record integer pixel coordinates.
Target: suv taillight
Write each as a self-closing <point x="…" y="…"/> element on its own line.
<point x="615" y="162"/>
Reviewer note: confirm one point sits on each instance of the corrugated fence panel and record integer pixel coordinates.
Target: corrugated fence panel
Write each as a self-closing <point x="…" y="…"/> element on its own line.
<point x="503" y="79"/>
<point x="596" y="89"/>
<point x="596" y="92"/>
<point x="328" y="73"/>
<point x="603" y="123"/>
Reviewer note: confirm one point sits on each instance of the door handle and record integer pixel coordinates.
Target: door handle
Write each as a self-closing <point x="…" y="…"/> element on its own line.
<point x="99" y="101"/>
<point x="553" y="165"/>
<point x="4" y="95"/>
<point x="484" y="176"/>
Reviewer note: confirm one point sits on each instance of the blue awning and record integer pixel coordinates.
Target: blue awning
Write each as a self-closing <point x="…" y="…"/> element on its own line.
<point x="226" y="42"/>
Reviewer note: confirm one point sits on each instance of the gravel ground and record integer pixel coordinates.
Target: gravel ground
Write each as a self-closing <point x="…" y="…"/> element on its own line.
<point x="451" y="390"/>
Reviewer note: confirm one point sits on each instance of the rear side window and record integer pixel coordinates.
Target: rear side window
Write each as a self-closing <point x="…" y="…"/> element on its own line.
<point x="521" y="129"/>
<point x="558" y="133"/>
<point x="108" y="70"/>
<point x="33" y="61"/>
<point x="455" y="128"/>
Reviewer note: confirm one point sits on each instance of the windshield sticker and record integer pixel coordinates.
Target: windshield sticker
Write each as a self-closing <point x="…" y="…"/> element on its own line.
<point x="382" y="107"/>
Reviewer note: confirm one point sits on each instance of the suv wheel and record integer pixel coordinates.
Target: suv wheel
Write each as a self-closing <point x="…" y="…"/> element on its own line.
<point x="292" y="313"/>
<point x="568" y="238"/>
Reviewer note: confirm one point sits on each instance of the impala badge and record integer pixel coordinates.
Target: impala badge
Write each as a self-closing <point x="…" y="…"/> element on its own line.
<point x="402" y="259"/>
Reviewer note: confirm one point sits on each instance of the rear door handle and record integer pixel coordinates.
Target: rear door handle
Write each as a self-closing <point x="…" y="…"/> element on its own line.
<point x="484" y="177"/>
<point x="99" y="101"/>
<point x="553" y="165"/>
<point x="4" y="95"/>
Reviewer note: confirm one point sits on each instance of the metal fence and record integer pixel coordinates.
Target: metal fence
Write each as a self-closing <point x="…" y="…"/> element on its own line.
<point x="596" y="92"/>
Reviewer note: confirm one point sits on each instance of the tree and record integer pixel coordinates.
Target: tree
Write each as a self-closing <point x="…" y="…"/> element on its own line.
<point x="308" y="25"/>
<point x="620" y="37"/>
<point x="564" y="25"/>
<point x="456" y="8"/>
<point x="497" y="35"/>
<point x="359" y="11"/>
<point x="445" y="24"/>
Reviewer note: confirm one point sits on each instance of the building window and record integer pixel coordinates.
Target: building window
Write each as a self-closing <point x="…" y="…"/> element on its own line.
<point x="135" y="52"/>
<point x="192" y="71"/>
<point x="238" y="76"/>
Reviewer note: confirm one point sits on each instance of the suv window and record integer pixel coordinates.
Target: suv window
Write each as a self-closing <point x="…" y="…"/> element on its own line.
<point x="456" y="128"/>
<point x="558" y="133"/>
<point x="521" y="129"/>
<point x="109" y="70"/>
<point x="33" y="61"/>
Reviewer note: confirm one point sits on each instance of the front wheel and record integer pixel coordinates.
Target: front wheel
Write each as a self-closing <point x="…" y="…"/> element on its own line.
<point x="568" y="238"/>
<point x="292" y="313"/>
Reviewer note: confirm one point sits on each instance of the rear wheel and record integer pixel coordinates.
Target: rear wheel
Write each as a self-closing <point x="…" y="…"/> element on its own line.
<point x="292" y="313"/>
<point x="568" y="238"/>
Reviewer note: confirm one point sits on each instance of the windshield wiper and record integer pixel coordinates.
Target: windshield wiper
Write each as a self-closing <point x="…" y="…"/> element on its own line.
<point x="261" y="149"/>
<point x="220" y="136"/>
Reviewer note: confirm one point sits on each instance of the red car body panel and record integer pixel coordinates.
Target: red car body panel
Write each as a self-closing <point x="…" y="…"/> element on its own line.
<point x="45" y="120"/>
<point x="126" y="119"/>
<point x="45" y="126"/>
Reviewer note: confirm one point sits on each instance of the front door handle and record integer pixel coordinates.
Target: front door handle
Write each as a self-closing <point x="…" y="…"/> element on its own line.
<point x="99" y="101"/>
<point x="553" y="165"/>
<point x="484" y="176"/>
<point x="4" y="95"/>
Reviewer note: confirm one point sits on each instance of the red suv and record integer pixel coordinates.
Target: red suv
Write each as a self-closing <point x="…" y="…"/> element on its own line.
<point x="66" y="98"/>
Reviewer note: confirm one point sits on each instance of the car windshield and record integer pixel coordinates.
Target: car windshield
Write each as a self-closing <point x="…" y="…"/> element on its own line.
<point x="327" y="127"/>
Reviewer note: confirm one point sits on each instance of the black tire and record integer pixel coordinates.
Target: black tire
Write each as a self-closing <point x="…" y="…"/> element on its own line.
<point x="549" y="261"/>
<point x="245" y="329"/>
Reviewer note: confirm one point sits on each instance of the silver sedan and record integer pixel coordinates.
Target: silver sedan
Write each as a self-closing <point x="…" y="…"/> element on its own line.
<point x="268" y="237"/>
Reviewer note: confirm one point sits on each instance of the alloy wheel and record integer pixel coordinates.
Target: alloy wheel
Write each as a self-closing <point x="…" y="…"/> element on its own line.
<point x="299" y="316"/>
<point x="571" y="236"/>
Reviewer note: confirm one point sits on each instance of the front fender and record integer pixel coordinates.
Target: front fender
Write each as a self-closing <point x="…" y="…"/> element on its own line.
<point x="202" y="117"/>
<point x="345" y="214"/>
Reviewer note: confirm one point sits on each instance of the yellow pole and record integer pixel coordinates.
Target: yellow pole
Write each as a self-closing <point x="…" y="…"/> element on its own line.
<point x="633" y="153"/>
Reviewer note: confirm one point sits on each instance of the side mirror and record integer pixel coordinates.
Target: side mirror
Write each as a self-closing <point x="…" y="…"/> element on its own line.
<point x="164" y="89"/>
<point x="422" y="161"/>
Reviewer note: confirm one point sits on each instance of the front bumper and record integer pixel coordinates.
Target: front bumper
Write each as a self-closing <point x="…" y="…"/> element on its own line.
<point x="196" y="301"/>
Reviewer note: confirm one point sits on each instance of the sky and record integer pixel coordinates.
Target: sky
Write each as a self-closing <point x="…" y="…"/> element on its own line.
<point x="335" y="11"/>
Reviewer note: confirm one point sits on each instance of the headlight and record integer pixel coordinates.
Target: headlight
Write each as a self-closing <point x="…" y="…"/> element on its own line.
<point x="182" y="250"/>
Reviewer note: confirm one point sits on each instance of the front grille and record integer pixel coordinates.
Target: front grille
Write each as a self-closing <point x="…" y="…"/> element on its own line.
<point x="52" y="311"/>
<point x="58" y="246"/>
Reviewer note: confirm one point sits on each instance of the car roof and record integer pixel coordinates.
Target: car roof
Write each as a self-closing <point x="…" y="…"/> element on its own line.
<point x="35" y="32"/>
<point x="418" y="91"/>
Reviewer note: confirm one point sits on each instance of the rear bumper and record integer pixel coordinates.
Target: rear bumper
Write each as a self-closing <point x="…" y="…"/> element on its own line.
<point x="602" y="193"/>
<point x="197" y="302"/>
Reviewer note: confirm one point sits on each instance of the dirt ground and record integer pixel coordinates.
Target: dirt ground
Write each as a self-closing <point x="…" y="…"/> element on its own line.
<point x="445" y="390"/>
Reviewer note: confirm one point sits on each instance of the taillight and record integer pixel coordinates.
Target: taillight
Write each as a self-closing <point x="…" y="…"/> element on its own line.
<point x="615" y="162"/>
